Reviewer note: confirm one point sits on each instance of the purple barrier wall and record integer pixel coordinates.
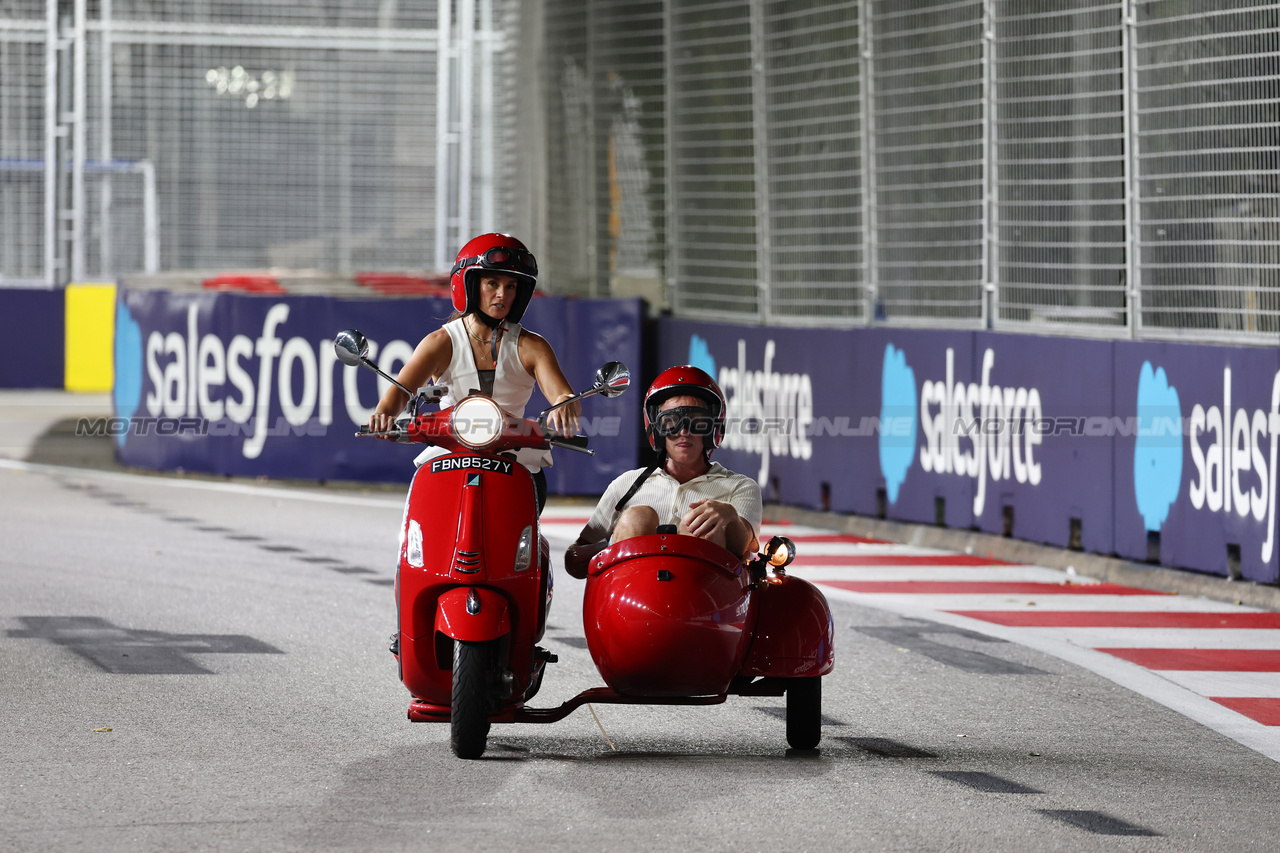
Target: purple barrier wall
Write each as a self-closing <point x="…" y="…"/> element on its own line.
<point x="1202" y="470"/>
<point x="1050" y="448"/>
<point x="879" y="410"/>
<point x="1071" y="442"/>
<point x="248" y="385"/>
<point x="40" y="316"/>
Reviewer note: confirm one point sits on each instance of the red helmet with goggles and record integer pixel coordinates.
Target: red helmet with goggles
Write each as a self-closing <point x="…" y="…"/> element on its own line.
<point x="499" y="253"/>
<point x="680" y="381"/>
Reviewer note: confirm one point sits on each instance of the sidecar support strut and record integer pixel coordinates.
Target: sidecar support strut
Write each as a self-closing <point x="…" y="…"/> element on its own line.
<point x="606" y="696"/>
<point x="426" y="712"/>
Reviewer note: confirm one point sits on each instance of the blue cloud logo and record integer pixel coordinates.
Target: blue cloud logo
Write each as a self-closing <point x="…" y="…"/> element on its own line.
<point x="897" y="419"/>
<point x="700" y="356"/>
<point x="1157" y="453"/>
<point x="128" y="367"/>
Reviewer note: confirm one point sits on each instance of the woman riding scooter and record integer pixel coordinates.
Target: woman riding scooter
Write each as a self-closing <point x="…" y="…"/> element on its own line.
<point x="482" y="348"/>
<point x="684" y="413"/>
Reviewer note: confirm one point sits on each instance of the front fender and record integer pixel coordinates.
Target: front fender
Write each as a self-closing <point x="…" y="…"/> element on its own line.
<point x="491" y="622"/>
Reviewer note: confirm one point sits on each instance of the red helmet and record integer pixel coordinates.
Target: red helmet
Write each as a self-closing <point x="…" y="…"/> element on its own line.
<point x="499" y="253"/>
<point x="676" y="382"/>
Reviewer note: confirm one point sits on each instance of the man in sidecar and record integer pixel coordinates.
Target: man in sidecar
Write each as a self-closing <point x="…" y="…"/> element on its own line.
<point x="684" y="418"/>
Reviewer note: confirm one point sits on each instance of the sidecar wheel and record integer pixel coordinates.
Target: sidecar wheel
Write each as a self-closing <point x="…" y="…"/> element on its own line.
<point x="804" y="712"/>
<point x="469" y="714"/>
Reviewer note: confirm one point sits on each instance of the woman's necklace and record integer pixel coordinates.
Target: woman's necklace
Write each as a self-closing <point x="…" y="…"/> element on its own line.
<point x="474" y="336"/>
<point x="493" y="340"/>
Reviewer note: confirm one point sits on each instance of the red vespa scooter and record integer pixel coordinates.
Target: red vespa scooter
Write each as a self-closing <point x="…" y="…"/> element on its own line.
<point x="473" y="593"/>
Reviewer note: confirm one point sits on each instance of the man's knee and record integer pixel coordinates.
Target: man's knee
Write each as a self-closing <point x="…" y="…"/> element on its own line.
<point x="635" y="521"/>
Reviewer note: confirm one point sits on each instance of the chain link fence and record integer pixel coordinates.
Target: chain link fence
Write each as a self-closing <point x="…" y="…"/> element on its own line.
<point x="927" y="62"/>
<point x="1067" y="166"/>
<point x="1088" y="167"/>
<point x="1207" y="231"/>
<point x="171" y="135"/>
<point x="1059" y="161"/>
<point x="23" y="51"/>
<point x="814" y="121"/>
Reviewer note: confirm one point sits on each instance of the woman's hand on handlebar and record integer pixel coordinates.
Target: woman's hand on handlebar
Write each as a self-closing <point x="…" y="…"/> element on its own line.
<point x="379" y="422"/>
<point x="564" y="420"/>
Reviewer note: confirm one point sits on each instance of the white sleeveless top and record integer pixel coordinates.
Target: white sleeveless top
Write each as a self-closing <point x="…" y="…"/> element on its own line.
<point x="512" y="385"/>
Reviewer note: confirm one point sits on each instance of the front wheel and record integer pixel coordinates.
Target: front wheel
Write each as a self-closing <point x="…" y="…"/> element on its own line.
<point x="804" y="712"/>
<point x="469" y="712"/>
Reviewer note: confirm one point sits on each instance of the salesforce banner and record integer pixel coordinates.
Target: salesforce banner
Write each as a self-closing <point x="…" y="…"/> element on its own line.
<point x="249" y="385"/>
<point x="1202" y="470"/>
<point x="924" y="426"/>
<point x="1075" y="443"/>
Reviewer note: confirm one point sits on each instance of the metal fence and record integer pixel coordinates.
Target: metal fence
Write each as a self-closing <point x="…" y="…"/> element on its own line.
<point x="144" y="135"/>
<point x="23" y="137"/>
<point x="1086" y="167"/>
<point x="1058" y="118"/>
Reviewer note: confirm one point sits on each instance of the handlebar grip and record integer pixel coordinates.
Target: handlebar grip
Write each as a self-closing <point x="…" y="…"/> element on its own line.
<point x="570" y="440"/>
<point x="393" y="434"/>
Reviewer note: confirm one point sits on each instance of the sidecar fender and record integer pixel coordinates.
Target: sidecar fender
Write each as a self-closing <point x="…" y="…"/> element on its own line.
<point x="794" y="636"/>
<point x="490" y="622"/>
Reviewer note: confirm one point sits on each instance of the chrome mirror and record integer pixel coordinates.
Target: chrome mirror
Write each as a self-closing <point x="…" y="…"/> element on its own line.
<point x="613" y="378"/>
<point x="352" y="347"/>
<point x="353" y="350"/>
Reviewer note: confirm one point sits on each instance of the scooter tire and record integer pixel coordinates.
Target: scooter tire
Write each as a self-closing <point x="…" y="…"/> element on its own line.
<point x="469" y="708"/>
<point x="804" y="712"/>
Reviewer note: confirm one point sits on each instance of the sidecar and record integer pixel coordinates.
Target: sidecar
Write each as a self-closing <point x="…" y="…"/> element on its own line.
<point x="670" y="616"/>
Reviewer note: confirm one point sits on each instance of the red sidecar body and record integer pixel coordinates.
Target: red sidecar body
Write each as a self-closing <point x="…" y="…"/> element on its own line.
<point x="669" y="615"/>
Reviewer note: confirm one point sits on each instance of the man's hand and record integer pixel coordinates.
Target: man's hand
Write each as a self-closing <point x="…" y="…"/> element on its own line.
<point x="718" y="522"/>
<point x="705" y="518"/>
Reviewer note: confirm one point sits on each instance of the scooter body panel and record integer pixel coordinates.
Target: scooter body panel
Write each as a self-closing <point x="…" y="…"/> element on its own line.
<point x="667" y="615"/>
<point x="794" y="635"/>
<point x="464" y="519"/>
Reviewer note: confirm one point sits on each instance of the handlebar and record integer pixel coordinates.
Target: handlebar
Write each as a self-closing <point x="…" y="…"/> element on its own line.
<point x="399" y="435"/>
<point x="572" y="442"/>
<point x="405" y="436"/>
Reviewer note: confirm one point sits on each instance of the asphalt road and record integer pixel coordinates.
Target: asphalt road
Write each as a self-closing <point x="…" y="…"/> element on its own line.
<point x="204" y="666"/>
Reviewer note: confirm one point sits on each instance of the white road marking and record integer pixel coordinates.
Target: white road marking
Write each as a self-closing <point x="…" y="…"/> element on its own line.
<point x="1252" y="684"/>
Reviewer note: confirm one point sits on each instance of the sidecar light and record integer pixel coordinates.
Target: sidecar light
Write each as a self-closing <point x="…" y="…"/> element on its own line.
<point x="524" y="550"/>
<point x="413" y="551"/>
<point x="476" y="422"/>
<point x="781" y="551"/>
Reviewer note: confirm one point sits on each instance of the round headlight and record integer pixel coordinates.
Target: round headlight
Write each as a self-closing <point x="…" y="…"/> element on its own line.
<point x="476" y="422"/>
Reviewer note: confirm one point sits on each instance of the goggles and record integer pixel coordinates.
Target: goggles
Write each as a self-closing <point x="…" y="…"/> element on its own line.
<point x="501" y="258"/>
<point x="697" y="420"/>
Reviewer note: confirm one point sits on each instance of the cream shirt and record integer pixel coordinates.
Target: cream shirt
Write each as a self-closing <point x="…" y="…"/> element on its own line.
<point x="671" y="498"/>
